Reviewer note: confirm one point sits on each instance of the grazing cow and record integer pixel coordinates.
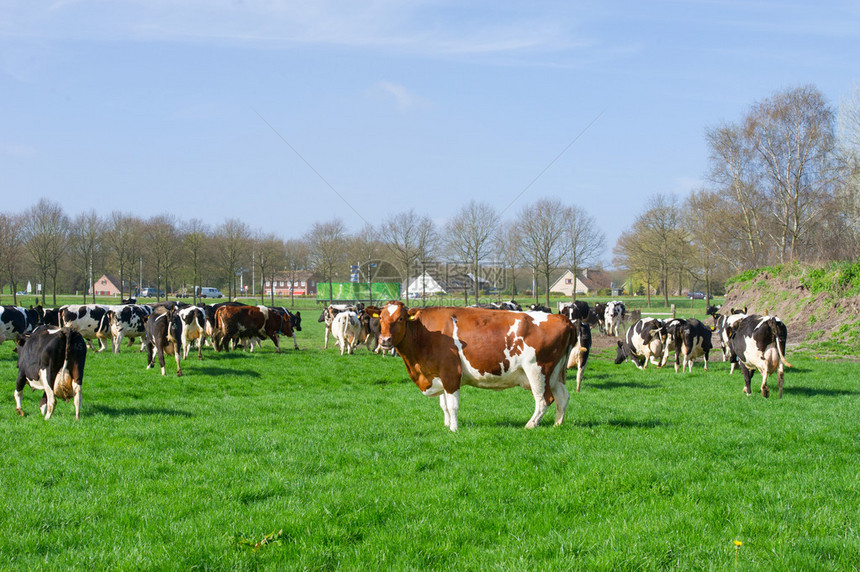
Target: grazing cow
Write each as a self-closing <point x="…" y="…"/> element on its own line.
<point x="446" y="348"/>
<point x="295" y="320"/>
<point x="163" y="335"/>
<point x="689" y="338"/>
<point x="15" y="322"/>
<point x="644" y="342"/>
<point x="88" y="319"/>
<point x="51" y="360"/>
<point x="720" y="321"/>
<point x="579" y="356"/>
<point x="613" y="317"/>
<point x="193" y="323"/>
<point x="758" y="342"/>
<point x="346" y="328"/>
<point x="540" y="308"/>
<point x="277" y="322"/>
<point x="128" y="321"/>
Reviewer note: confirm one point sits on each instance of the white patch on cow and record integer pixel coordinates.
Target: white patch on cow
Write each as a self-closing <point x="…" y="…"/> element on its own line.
<point x="435" y="388"/>
<point x="538" y="317"/>
<point x="392" y="308"/>
<point x="450" y="403"/>
<point x="521" y="370"/>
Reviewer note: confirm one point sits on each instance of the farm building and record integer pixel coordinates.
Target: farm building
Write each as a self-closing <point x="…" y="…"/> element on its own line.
<point x="106" y="286"/>
<point x="589" y="281"/>
<point x="299" y="283"/>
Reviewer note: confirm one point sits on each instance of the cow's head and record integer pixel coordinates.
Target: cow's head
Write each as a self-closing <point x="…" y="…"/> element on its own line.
<point x="621" y="353"/>
<point x="393" y="320"/>
<point x="712" y="311"/>
<point x="296" y="319"/>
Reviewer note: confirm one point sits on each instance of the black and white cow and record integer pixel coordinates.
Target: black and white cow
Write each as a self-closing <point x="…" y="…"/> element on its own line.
<point x="579" y="354"/>
<point x="540" y="308"/>
<point x="51" y="360"/>
<point x="128" y="321"/>
<point x="643" y="343"/>
<point x="596" y="316"/>
<point x="758" y="344"/>
<point x="90" y="320"/>
<point x="163" y="335"/>
<point x="577" y="310"/>
<point x="16" y="321"/>
<point x="613" y="317"/>
<point x="688" y="338"/>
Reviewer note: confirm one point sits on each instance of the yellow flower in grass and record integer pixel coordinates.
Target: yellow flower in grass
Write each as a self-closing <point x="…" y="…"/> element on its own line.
<point x="738" y="544"/>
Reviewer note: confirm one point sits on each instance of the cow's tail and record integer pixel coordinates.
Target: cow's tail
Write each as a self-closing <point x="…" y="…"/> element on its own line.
<point x="64" y="370"/>
<point x="777" y="335"/>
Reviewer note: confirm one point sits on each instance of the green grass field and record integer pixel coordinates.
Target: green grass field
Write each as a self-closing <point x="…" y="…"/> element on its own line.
<point x="310" y="460"/>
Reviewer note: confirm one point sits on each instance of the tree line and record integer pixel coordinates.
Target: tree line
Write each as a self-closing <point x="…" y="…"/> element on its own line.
<point x="784" y="185"/>
<point x="68" y="254"/>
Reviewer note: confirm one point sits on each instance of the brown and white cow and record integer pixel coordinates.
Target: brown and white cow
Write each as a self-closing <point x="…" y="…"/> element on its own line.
<point x="446" y="348"/>
<point x="163" y="336"/>
<point x="346" y="328"/>
<point x="233" y="323"/>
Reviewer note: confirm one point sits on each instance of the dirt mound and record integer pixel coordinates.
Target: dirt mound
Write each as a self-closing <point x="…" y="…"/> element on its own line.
<point x="808" y="317"/>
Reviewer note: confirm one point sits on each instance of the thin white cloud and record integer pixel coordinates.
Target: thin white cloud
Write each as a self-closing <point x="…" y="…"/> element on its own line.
<point x="403" y="98"/>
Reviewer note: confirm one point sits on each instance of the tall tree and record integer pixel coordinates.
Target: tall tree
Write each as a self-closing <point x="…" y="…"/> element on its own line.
<point x="400" y="234"/>
<point x="327" y="241"/>
<point x="123" y="240"/>
<point x="585" y="240"/>
<point x="296" y="261"/>
<point x="195" y="237"/>
<point x="469" y="237"/>
<point x="46" y="230"/>
<point x="12" y="250"/>
<point x="86" y="243"/>
<point x="542" y="230"/>
<point x="269" y="258"/>
<point x="793" y="136"/>
<point x="164" y="248"/>
<point x="232" y="239"/>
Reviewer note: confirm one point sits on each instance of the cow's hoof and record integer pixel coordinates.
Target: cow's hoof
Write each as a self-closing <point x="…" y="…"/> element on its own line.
<point x="20" y="412"/>
<point x="765" y="392"/>
<point x="178" y="374"/>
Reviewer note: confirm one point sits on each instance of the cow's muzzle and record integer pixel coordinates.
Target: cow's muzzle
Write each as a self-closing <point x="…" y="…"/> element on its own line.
<point x="386" y="343"/>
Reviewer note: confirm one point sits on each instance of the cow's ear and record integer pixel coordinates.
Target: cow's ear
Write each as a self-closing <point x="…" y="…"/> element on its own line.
<point x="412" y="314"/>
<point x="619" y="343"/>
<point x="374" y="315"/>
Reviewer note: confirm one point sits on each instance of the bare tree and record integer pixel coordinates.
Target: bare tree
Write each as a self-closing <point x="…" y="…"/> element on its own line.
<point x="793" y="136"/>
<point x="543" y="226"/>
<point x="123" y="240"/>
<point x="327" y="241"/>
<point x="366" y="249"/>
<point x="585" y="240"/>
<point x="46" y="230"/>
<point x="849" y="162"/>
<point x="426" y="244"/>
<point x="296" y="260"/>
<point x="400" y="234"/>
<point x="164" y="248"/>
<point x="269" y="257"/>
<point x="195" y="236"/>
<point x="655" y="242"/>
<point x="86" y="243"/>
<point x="232" y="242"/>
<point x="469" y="237"/>
<point x="12" y="250"/>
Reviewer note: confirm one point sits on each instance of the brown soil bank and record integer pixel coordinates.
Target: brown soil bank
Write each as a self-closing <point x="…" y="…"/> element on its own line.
<point x="820" y="306"/>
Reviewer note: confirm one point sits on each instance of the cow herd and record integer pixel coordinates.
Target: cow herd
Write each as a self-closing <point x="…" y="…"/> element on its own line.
<point x="51" y="344"/>
<point x="496" y="346"/>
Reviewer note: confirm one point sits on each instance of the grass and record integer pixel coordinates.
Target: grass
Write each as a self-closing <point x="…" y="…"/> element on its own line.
<point x="310" y="460"/>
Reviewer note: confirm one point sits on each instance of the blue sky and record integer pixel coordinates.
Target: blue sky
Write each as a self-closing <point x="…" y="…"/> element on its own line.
<point x="161" y="106"/>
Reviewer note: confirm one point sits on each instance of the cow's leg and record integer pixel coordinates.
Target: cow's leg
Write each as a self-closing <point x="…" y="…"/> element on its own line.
<point x="200" y="346"/>
<point x="160" y="351"/>
<point x="176" y="353"/>
<point x="747" y="379"/>
<point x="765" y="392"/>
<point x="450" y="403"/>
<point x="102" y="345"/>
<point x="780" y="372"/>
<point x="537" y="384"/>
<point x="559" y="393"/>
<point x="150" y="356"/>
<point x="327" y="331"/>
<point x="50" y="399"/>
<point x="295" y="342"/>
<point x="76" y="388"/>
<point x="706" y="359"/>
<point x="116" y="341"/>
<point x="579" y="370"/>
<point x="19" y="387"/>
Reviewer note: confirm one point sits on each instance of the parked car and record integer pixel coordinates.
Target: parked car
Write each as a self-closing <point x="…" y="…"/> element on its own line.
<point x="150" y="293"/>
<point x="210" y="293"/>
<point x="696" y="295"/>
